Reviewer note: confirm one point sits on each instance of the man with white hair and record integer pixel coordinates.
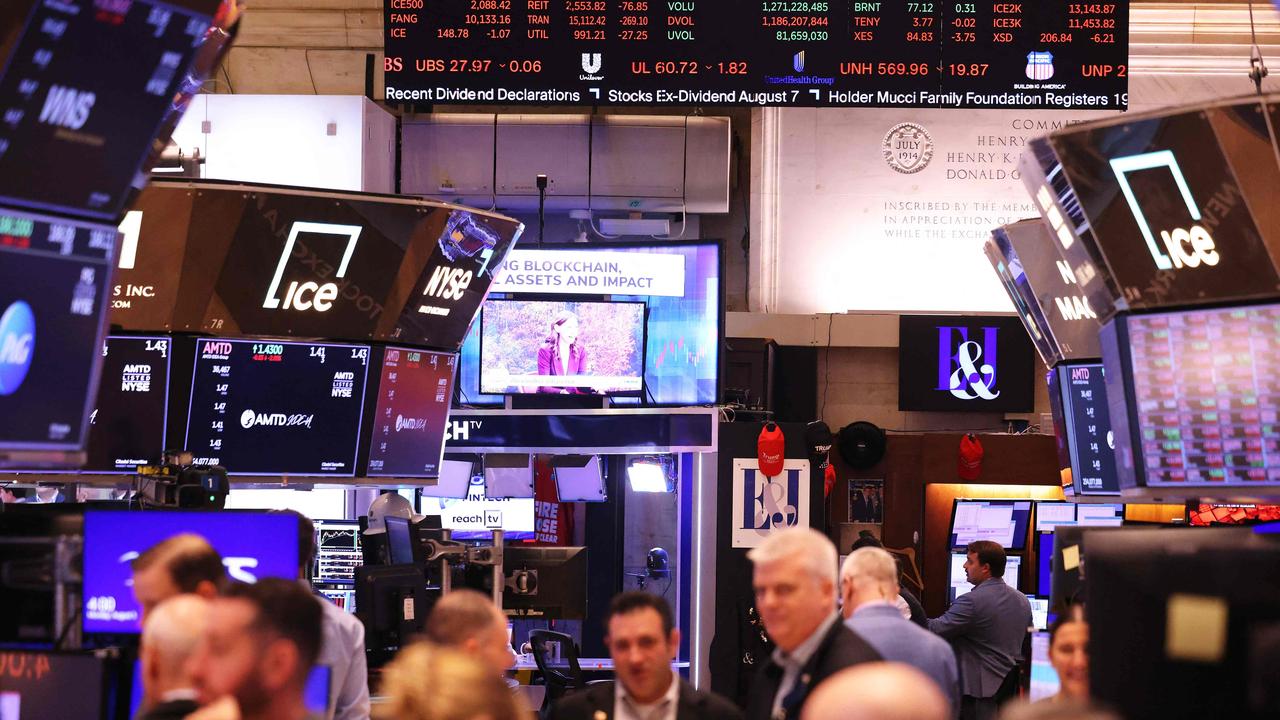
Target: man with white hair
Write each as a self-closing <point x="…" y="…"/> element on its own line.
<point x="795" y="588"/>
<point x="869" y="589"/>
<point x="877" y="691"/>
<point x="169" y="637"/>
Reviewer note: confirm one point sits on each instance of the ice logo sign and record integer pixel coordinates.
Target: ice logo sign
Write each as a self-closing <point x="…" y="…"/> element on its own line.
<point x="17" y="345"/>
<point x="308" y="294"/>
<point x="1185" y="247"/>
<point x="967" y="369"/>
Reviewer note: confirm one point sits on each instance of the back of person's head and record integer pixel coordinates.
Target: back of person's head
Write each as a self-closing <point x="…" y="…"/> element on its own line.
<point x="871" y="567"/>
<point x="188" y="559"/>
<point x="877" y="691"/>
<point x="866" y="538"/>
<point x="1074" y="613"/>
<point x="459" y="616"/>
<point x="637" y="600"/>
<point x="284" y="609"/>
<point x="430" y="682"/>
<point x="799" y="545"/>
<point x="169" y="637"/>
<point x="988" y="553"/>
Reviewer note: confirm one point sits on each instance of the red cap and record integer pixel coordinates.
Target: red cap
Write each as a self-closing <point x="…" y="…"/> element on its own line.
<point x="828" y="480"/>
<point x="970" y="462"/>
<point x="771" y="449"/>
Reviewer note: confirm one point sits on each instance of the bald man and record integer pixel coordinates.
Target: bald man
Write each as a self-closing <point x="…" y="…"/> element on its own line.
<point x="469" y="621"/>
<point x="169" y="637"/>
<point x="877" y="691"/>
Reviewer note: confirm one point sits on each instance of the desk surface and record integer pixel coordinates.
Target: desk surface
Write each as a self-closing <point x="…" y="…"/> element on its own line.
<point x="585" y="664"/>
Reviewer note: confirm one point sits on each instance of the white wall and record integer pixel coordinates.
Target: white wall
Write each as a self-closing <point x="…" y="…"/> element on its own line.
<point x="284" y="139"/>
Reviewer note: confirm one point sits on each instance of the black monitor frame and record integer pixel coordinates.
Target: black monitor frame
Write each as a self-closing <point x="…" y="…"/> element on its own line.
<point x="556" y="575"/>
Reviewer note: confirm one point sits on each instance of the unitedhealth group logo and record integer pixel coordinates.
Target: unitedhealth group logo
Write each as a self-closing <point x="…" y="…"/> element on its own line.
<point x="17" y="345"/>
<point x="967" y="367"/>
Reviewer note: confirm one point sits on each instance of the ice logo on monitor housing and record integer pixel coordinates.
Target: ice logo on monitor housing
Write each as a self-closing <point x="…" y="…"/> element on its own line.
<point x="309" y="294"/>
<point x="17" y="345"/>
<point x="1176" y="241"/>
<point x="1039" y="65"/>
<point x="958" y="370"/>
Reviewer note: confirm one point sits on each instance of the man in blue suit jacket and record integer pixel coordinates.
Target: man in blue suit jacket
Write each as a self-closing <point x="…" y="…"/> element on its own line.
<point x="987" y="628"/>
<point x="869" y="589"/>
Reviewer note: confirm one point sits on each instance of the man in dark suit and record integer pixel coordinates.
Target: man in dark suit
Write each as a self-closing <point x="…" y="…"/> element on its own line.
<point x="795" y="587"/>
<point x="986" y="627"/>
<point x="169" y="637"/>
<point x="643" y="643"/>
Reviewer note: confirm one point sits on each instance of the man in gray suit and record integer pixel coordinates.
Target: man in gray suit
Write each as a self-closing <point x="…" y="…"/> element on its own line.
<point x="869" y="589"/>
<point x="987" y="628"/>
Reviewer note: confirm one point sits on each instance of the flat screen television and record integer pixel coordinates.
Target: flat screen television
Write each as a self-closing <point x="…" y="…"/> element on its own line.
<point x="476" y="517"/>
<point x="685" y="318"/>
<point x="975" y="363"/>
<point x="338" y="552"/>
<point x="1206" y="514"/>
<point x="1044" y="564"/>
<point x="1195" y="397"/>
<point x="128" y="424"/>
<point x="1044" y="679"/>
<point x="1087" y="422"/>
<point x="81" y="113"/>
<point x="263" y="407"/>
<point x="54" y="279"/>
<point x="252" y="545"/>
<point x="960" y="585"/>
<point x="1003" y="521"/>
<point x="1053" y="515"/>
<point x="406" y="432"/>
<point x="562" y="347"/>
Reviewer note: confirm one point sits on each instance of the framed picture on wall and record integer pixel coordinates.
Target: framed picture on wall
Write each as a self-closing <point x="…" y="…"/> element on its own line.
<point x="866" y="501"/>
<point x="763" y="504"/>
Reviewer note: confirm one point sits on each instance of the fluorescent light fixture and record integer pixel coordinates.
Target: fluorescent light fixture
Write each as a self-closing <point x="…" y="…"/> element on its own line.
<point x="635" y="226"/>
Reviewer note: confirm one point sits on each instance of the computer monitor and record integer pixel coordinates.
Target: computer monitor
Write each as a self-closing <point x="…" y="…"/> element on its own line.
<point x="1068" y="559"/>
<point x="1086" y="418"/>
<point x="1044" y="679"/>
<point x="545" y="582"/>
<point x="128" y="423"/>
<point x="1044" y="563"/>
<point x="1003" y="521"/>
<point x="1039" y="612"/>
<point x="253" y="545"/>
<point x="960" y="586"/>
<point x="337" y="551"/>
<point x="1205" y="514"/>
<point x="50" y="684"/>
<point x="406" y="432"/>
<point x="1184" y="623"/>
<point x="400" y="542"/>
<point x="392" y="602"/>
<point x="1052" y="515"/>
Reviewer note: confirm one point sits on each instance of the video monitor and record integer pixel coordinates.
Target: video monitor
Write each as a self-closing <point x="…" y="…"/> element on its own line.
<point x="680" y="284"/>
<point x="1003" y="521"/>
<point x="976" y="363"/>
<point x="54" y="276"/>
<point x="50" y="684"/>
<point x="1044" y="679"/>
<point x="1039" y="612"/>
<point x="87" y="86"/>
<point x="1087" y="420"/>
<point x="127" y="426"/>
<point x="561" y="347"/>
<point x="548" y="582"/>
<point x="960" y="585"/>
<point x="476" y="517"/>
<point x="400" y="541"/>
<point x="1044" y="564"/>
<point x="1205" y="514"/>
<point x="262" y="407"/>
<point x="1195" y="397"/>
<point x="1053" y="515"/>
<point x="252" y="546"/>
<point x="338" y="551"/>
<point x="1050" y="515"/>
<point x="407" y="429"/>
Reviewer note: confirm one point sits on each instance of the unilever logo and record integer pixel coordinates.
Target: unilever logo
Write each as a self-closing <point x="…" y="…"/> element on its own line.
<point x="770" y="503"/>
<point x="17" y="345"/>
<point x="959" y="371"/>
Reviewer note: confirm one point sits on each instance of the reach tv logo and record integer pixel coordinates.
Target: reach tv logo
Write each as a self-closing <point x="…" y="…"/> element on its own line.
<point x="959" y="371"/>
<point x="1185" y="247"/>
<point x="308" y="294"/>
<point x="17" y="345"/>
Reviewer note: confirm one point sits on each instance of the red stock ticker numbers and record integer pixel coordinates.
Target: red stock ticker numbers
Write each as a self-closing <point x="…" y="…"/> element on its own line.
<point x="1047" y="54"/>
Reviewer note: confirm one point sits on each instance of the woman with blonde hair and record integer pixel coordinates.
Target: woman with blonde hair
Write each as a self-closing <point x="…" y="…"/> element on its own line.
<point x="430" y="682"/>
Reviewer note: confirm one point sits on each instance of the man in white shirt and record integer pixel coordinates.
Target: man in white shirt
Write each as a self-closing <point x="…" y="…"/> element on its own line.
<point x="169" y="637"/>
<point x="643" y="643"/>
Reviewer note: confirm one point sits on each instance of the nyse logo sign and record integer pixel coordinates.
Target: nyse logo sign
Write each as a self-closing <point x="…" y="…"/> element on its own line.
<point x="762" y="504"/>
<point x="967" y="367"/>
<point x="309" y="295"/>
<point x="1182" y="247"/>
<point x="448" y="284"/>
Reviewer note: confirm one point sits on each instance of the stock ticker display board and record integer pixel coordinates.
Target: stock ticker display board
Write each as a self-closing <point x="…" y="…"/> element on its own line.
<point x="1048" y="54"/>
